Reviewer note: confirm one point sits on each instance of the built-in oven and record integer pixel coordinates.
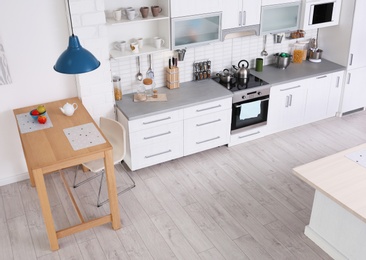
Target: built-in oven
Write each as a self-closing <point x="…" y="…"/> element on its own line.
<point x="320" y="13"/>
<point x="250" y="103"/>
<point x="252" y="111"/>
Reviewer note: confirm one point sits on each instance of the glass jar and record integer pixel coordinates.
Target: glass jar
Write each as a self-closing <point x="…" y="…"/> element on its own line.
<point x="117" y="88"/>
<point x="149" y="85"/>
<point x="299" y="53"/>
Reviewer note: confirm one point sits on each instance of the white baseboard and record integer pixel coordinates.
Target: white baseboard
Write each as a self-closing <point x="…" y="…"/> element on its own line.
<point x="13" y="179"/>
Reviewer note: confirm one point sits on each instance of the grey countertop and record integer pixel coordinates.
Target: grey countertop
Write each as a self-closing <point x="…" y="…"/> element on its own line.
<point x="198" y="92"/>
<point x="296" y="71"/>
<point x="188" y="94"/>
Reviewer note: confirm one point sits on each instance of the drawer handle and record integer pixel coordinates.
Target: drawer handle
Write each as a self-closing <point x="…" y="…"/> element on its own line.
<point x="338" y="79"/>
<point x="153" y="136"/>
<point x="211" y="122"/>
<point x="208" y="108"/>
<point x="290" y="88"/>
<point x="153" y="155"/>
<point x="158" y="120"/>
<point x="243" y="136"/>
<point x="208" y="140"/>
<point x="322" y="77"/>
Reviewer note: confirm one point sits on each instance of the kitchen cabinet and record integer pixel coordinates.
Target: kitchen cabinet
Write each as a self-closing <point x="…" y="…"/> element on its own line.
<point x="194" y="7"/>
<point x="248" y="135"/>
<point x="348" y="50"/>
<point x="335" y="92"/>
<point x="238" y="13"/>
<point x="354" y="91"/>
<point x="207" y="126"/>
<point x="146" y="28"/>
<point x="170" y="135"/>
<point x="287" y="105"/>
<point x="317" y="98"/>
<point x="153" y="139"/>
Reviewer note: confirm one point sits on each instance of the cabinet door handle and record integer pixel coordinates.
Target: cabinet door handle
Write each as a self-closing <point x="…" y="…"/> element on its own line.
<point x="211" y="122"/>
<point x="321" y="77"/>
<point x="338" y="80"/>
<point x="287" y="101"/>
<point x="208" y="108"/>
<point x="285" y="89"/>
<point x="351" y="59"/>
<point x="155" y="121"/>
<point x="243" y="136"/>
<point x="208" y="140"/>
<point x="349" y="78"/>
<point x="244" y="21"/>
<point x="154" y="136"/>
<point x="290" y="100"/>
<point x="240" y="17"/>
<point x="153" y="155"/>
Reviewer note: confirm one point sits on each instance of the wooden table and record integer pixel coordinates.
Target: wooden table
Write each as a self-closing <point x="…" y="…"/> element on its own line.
<point x="49" y="150"/>
<point x="338" y="217"/>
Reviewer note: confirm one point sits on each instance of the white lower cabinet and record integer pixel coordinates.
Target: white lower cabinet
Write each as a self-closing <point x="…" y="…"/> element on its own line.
<point x="248" y="135"/>
<point x="354" y="92"/>
<point x="335" y="92"/>
<point x="287" y="105"/>
<point x="170" y="135"/>
<point x="205" y="132"/>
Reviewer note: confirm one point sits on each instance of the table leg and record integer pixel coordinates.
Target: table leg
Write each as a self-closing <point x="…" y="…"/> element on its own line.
<point x="46" y="208"/>
<point x="112" y="189"/>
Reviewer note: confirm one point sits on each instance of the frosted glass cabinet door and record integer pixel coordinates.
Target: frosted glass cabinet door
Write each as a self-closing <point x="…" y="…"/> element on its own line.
<point x="280" y="18"/>
<point x="196" y="30"/>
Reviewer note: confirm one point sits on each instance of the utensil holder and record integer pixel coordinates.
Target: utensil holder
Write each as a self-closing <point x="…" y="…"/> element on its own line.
<point x="172" y="78"/>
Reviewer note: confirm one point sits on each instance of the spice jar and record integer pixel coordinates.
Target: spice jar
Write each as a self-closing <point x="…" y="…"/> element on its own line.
<point x="117" y="88"/>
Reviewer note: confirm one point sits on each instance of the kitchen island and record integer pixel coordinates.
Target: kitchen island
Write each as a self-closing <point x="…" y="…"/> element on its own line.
<point x="338" y="218"/>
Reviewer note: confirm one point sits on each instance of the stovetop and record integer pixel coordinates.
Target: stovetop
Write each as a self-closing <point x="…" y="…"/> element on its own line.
<point x="234" y="85"/>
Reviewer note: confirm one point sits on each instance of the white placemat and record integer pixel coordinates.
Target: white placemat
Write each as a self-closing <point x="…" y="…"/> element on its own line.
<point x="358" y="157"/>
<point x="83" y="136"/>
<point x="27" y="124"/>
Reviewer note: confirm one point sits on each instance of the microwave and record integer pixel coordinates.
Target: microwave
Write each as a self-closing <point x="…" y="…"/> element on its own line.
<point x="320" y="13"/>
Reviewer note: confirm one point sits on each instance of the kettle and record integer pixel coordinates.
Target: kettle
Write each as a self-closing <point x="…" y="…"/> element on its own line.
<point x="69" y="109"/>
<point x="242" y="72"/>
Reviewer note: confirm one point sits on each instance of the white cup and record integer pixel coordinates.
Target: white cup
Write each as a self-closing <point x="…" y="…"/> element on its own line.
<point x="120" y="46"/>
<point x="140" y="41"/>
<point x="131" y="14"/>
<point x="126" y="10"/>
<point x="117" y="14"/>
<point x="134" y="47"/>
<point x="158" y="42"/>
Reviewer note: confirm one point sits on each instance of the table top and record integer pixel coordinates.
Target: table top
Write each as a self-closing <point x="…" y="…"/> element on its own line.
<point x="49" y="149"/>
<point x="340" y="178"/>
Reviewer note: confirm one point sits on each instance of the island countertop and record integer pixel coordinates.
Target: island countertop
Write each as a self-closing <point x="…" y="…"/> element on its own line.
<point x="340" y="179"/>
<point x="188" y="94"/>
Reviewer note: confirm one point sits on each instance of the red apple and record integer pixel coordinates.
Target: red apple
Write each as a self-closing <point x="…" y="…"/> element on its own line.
<point x="42" y="119"/>
<point x="34" y="112"/>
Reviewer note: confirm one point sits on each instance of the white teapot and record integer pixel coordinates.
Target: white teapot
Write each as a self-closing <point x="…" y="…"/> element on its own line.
<point x="69" y="109"/>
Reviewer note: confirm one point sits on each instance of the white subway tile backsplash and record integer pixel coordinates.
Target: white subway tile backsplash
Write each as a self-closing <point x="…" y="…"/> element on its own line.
<point x="94" y="18"/>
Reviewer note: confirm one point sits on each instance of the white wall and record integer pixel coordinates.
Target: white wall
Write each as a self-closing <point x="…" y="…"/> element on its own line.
<point x="34" y="33"/>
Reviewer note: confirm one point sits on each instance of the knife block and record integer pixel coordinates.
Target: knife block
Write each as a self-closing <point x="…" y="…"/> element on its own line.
<point x="172" y="78"/>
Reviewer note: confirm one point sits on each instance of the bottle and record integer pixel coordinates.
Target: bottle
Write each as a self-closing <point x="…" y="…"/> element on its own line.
<point x="117" y="88"/>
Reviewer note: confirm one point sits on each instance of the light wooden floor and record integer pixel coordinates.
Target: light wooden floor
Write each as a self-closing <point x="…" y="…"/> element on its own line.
<point x="241" y="202"/>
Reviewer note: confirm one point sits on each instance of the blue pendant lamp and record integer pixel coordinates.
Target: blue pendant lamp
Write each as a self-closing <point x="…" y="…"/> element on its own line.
<point x="75" y="59"/>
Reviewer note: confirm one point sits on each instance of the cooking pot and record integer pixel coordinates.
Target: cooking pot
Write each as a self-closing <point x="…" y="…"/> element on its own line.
<point x="225" y="76"/>
<point x="242" y="72"/>
<point x="283" y="60"/>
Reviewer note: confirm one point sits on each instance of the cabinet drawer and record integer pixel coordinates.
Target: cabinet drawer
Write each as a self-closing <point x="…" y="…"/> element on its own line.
<point x="153" y="154"/>
<point x="208" y="108"/>
<point x="248" y="135"/>
<point x="205" y="132"/>
<point x="158" y="134"/>
<point x="156" y="120"/>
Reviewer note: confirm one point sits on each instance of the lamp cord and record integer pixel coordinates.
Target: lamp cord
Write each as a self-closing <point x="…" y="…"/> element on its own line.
<point x="68" y="5"/>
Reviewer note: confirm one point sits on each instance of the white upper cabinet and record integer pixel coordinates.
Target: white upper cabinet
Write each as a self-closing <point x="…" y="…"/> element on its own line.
<point x="192" y="7"/>
<point x="279" y="18"/>
<point x="238" y="13"/>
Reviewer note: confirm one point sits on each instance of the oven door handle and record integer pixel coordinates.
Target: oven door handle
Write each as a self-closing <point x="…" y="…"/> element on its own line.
<point x="266" y="99"/>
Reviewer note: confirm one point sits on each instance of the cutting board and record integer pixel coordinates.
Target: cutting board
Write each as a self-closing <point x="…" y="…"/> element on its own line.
<point x="160" y="97"/>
